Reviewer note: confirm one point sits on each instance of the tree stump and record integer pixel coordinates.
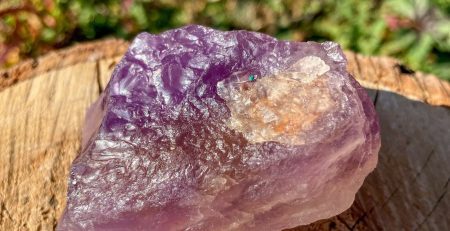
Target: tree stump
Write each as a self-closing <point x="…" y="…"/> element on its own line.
<point x="43" y="103"/>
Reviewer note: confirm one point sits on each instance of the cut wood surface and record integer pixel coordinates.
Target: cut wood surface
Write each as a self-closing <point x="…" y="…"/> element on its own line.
<point x="43" y="103"/>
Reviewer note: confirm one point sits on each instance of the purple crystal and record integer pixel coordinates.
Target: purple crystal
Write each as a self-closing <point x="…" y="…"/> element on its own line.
<point x="201" y="129"/>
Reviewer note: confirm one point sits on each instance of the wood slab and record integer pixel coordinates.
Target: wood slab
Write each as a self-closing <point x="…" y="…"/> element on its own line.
<point x="42" y="107"/>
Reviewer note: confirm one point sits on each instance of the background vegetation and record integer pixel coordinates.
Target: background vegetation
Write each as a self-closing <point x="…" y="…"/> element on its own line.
<point x="416" y="31"/>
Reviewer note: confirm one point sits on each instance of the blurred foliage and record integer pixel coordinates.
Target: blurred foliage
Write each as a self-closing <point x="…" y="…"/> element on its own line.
<point x="416" y="31"/>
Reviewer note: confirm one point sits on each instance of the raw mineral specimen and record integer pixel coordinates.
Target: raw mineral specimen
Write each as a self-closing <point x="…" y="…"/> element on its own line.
<point x="200" y="129"/>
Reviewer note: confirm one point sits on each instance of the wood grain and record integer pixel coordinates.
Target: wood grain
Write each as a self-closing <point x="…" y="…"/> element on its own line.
<point x="87" y="52"/>
<point x="43" y="105"/>
<point x="385" y="73"/>
<point x="40" y="126"/>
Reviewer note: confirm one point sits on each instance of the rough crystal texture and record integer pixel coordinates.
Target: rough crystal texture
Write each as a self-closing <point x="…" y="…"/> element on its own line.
<point x="182" y="139"/>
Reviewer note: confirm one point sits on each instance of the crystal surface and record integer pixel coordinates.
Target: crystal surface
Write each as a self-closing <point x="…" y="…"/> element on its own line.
<point x="200" y="129"/>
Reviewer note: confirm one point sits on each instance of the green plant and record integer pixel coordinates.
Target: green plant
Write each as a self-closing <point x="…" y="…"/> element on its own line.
<point x="415" y="31"/>
<point x="29" y="28"/>
<point x="422" y="31"/>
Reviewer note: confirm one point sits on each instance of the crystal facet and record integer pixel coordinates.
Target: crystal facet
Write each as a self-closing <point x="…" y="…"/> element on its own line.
<point x="200" y="129"/>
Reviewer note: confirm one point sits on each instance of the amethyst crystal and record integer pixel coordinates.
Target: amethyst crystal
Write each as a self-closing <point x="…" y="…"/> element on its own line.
<point x="200" y="129"/>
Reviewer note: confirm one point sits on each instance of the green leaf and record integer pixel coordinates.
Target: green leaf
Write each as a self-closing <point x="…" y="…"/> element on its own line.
<point x="48" y="35"/>
<point x="398" y="44"/>
<point x="402" y="7"/>
<point x="375" y="36"/>
<point x="138" y="12"/>
<point x="419" y="51"/>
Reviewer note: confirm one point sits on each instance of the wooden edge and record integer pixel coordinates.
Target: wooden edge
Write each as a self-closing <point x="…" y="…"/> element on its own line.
<point x="380" y="73"/>
<point x="386" y="73"/>
<point x="54" y="60"/>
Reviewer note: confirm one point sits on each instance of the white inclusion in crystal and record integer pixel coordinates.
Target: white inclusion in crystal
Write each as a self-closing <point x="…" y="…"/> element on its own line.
<point x="268" y="115"/>
<point x="310" y="68"/>
<point x="279" y="107"/>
